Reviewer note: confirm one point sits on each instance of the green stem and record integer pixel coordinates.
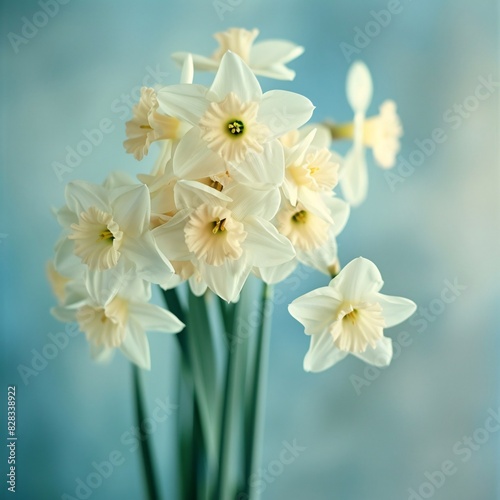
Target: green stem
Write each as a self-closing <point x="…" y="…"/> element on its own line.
<point x="191" y="450"/>
<point x="256" y="408"/>
<point x="146" y="451"/>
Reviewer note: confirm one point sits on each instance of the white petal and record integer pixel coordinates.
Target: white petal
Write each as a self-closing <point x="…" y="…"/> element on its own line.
<point x="274" y="274"/>
<point x="323" y="137"/>
<point x="316" y="310"/>
<point x="65" y="261"/>
<point x="131" y="209"/>
<point x="135" y="345"/>
<point x="253" y="201"/>
<point x="339" y="211"/>
<point x="358" y="280"/>
<point x="282" y="111"/>
<point x="354" y="176"/>
<point x="322" y="353"/>
<point x="102" y="286"/>
<point x="266" y="168"/>
<point x="118" y="179"/>
<point x="198" y="286"/>
<point x="100" y="353"/>
<point x="359" y="87"/>
<point x="81" y="195"/>
<point x="271" y="52"/>
<point x="226" y="280"/>
<point x="320" y="258"/>
<point x="395" y="309"/>
<point x="276" y="71"/>
<point x="200" y="63"/>
<point x="297" y="152"/>
<point x="265" y="245"/>
<point x="187" y="72"/>
<point x="170" y="237"/>
<point x="64" y="314"/>
<point x="155" y="318"/>
<point x="194" y="160"/>
<point x="379" y="356"/>
<point x="235" y="76"/>
<point x="66" y="217"/>
<point x="148" y="261"/>
<point x="315" y="203"/>
<point x="192" y="194"/>
<point x="184" y="101"/>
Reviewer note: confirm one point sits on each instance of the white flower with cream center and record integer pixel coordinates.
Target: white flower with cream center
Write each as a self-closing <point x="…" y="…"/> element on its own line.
<point x="108" y="230"/>
<point x="116" y="319"/>
<point x="349" y="316"/>
<point x="224" y="234"/>
<point x="235" y="126"/>
<point x="382" y="133"/>
<point x="268" y="58"/>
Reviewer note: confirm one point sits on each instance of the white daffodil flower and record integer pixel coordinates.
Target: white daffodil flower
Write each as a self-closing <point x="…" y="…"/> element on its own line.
<point x="235" y="126"/>
<point x="268" y="58"/>
<point x="149" y="125"/>
<point x="310" y="172"/>
<point x="119" y="319"/>
<point x="313" y="237"/>
<point x="224" y="234"/>
<point x="107" y="228"/>
<point x="349" y="316"/>
<point x="381" y="133"/>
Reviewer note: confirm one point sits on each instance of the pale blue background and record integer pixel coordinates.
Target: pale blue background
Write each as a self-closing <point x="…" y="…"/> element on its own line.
<point x="441" y="223"/>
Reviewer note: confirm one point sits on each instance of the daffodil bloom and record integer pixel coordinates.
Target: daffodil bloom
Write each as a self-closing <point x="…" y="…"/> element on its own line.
<point x="310" y="172"/>
<point x="349" y="316"/>
<point x="107" y="228"/>
<point x="381" y="133"/>
<point x="268" y="58"/>
<point x="224" y="234"/>
<point x="149" y="125"/>
<point x="235" y="126"/>
<point x="117" y="319"/>
<point x="313" y="237"/>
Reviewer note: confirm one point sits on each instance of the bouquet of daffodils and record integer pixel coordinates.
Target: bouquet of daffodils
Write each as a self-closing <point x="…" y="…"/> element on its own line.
<point x="241" y="194"/>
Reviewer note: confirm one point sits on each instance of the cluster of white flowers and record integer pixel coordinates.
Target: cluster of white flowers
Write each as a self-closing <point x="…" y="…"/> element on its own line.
<point x="241" y="186"/>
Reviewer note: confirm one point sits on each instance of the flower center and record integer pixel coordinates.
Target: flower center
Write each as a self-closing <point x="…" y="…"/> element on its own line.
<point x="220" y="127"/>
<point x="357" y="326"/>
<point x="97" y="239"/>
<point x="213" y="235"/>
<point x="300" y="217"/>
<point x="104" y="326"/>
<point x="235" y="127"/>
<point x="305" y="230"/>
<point x="219" y="225"/>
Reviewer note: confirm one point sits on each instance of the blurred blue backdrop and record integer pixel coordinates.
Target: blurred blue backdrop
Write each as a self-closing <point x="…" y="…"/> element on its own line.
<point x="368" y="435"/>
